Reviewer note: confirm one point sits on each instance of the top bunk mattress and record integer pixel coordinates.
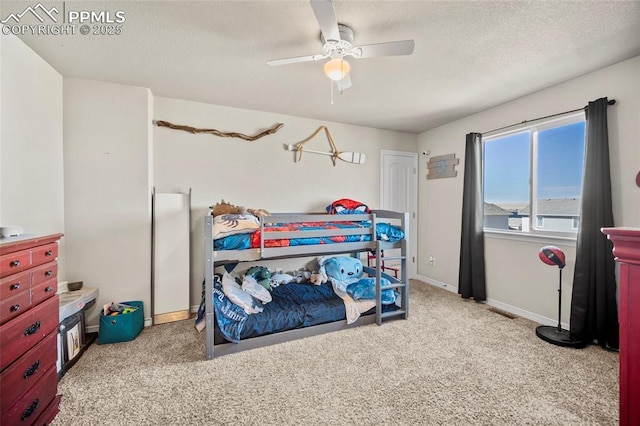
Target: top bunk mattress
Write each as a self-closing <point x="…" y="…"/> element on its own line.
<point x="307" y="233"/>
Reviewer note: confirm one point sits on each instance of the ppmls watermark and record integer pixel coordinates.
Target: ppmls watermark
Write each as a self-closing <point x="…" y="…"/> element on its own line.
<point x="40" y="20"/>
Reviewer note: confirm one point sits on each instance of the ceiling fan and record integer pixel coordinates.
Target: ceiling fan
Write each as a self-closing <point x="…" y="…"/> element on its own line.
<point x="337" y="42"/>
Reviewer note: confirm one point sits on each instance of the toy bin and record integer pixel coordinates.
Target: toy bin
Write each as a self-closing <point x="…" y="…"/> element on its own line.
<point x="121" y="327"/>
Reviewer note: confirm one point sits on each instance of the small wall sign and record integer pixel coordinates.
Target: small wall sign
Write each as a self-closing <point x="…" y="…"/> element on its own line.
<point x="442" y="166"/>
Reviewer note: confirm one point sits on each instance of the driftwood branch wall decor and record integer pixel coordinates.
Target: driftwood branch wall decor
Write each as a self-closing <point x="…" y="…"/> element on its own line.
<point x="216" y="132"/>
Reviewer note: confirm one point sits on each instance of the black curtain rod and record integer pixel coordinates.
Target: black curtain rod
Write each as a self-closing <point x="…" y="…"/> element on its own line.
<point x="610" y="102"/>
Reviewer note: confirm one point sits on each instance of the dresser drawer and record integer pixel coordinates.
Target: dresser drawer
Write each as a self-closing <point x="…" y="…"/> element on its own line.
<point x="13" y="306"/>
<point x="15" y="284"/>
<point x="29" y="368"/>
<point x="14" y="262"/>
<point x="44" y="273"/>
<point x="23" y="332"/>
<point x="43" y="291"/>
<point x="34" y="402"/>
<point x="50" y="412"/>
<point x="44" y="254"/>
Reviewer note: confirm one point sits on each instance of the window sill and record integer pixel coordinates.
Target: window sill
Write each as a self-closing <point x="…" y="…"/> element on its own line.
<point x="531" y="238"/>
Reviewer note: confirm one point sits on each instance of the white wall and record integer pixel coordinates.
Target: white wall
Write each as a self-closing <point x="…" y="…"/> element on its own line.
<point x="96" y="186"/>
<point x="516" y="279"/>
<point x="261" y="174"/>
<point x="31" y="158"/>
<point x="107" y="152"/>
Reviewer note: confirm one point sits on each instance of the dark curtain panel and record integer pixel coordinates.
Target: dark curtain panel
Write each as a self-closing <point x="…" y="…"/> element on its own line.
<point x="471" y="278"/>
<point x="594" y="311"/>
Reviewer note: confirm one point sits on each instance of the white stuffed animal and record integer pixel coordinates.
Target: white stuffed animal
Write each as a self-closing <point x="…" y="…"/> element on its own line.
<point x="280" y="278"/>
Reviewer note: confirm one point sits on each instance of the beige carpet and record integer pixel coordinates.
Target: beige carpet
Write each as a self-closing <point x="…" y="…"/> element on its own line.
<point x="454" y="362"/>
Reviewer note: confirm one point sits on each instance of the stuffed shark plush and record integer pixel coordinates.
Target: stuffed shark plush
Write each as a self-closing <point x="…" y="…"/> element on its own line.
<point x="346" y="274"/>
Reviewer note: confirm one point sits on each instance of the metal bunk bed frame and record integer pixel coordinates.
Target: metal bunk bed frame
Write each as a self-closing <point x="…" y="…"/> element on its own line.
<point x="214" y="259"/>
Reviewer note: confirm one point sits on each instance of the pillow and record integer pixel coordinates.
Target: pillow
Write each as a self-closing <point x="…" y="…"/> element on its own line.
<point x="251" y="286"/>
<point x="347" y="206"/>
<point x="231" y="224"/>
<point x="242" y="299"/>
<point x="388" y="232"/>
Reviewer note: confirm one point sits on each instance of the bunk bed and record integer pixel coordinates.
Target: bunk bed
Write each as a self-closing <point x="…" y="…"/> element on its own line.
<point x="290" y="235"/>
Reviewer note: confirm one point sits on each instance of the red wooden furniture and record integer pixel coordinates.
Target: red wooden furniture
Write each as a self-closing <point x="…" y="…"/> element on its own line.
<point x="28" y="329"/>
<point x="626" y="249"/>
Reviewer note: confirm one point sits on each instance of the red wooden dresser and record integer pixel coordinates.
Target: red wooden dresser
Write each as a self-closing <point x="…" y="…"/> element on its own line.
<point x="28" y="329"/>
<point x="626" y="249"/>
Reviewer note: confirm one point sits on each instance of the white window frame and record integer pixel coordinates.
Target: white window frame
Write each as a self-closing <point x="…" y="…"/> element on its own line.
<point x="575" y="223"/>
<point x="535" y="231"/>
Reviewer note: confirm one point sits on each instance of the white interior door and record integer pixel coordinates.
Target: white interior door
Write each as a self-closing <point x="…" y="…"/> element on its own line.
<point x="399" y="192"/>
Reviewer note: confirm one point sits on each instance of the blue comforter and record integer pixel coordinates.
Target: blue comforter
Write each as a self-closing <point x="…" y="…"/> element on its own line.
<point x="384" y="232"/>
<point x="293" y="306"/>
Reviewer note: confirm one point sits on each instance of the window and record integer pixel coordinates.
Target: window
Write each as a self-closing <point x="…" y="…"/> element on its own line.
<point x="533" y="177"/>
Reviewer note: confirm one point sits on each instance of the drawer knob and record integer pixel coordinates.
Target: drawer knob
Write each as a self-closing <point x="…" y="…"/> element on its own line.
<point x="14" y="308"/>
<point x="48" y="253"/>
<point x="48" y="273"/>
<point x="48" y="289"/>
<point x="32" y="370"/>
<point x="29" y="411"/>
<point x="33" y="328"/>
<point x="14" y="263"/>
<point x="14" y="286"/>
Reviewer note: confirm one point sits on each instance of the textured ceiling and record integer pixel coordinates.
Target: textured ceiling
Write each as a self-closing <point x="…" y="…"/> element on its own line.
<point x="468" y="56"/>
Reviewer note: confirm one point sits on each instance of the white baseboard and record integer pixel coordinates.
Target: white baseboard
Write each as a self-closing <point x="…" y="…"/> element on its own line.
<point x="540" y="319"/>
<point x="436" y="283"/>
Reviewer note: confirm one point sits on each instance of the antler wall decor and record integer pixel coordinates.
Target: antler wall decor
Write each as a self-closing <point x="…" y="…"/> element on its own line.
<point x="349" y="157"/>
<point x="216" y="132"/>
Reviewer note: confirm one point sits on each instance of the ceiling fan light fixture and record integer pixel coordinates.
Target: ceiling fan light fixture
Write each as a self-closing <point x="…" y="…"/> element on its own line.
<point x="337" y="69"/>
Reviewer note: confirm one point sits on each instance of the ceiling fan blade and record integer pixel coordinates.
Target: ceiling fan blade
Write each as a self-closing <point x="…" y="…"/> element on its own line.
<point x="293" y="60"/>
<point x="326" y="16"/>
<point x="345" y="83"/>
<point x="392" y="48"/>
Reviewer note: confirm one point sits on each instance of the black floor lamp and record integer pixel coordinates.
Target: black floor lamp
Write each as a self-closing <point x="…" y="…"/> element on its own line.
<point x="553" y="256"/>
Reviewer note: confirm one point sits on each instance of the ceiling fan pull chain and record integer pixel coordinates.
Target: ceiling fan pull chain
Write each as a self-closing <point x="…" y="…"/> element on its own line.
<point x="331" y="83"/>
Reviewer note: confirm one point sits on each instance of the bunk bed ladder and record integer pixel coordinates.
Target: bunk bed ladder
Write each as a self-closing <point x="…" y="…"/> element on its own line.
<point x="402" y="285"/>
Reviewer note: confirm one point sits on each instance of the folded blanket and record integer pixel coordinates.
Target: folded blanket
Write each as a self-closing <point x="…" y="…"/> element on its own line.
<point x="232" y="224"/>
<point x="353" y="308"/>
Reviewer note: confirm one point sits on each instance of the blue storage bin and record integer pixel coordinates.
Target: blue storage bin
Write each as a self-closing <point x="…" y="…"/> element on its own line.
<point x="121" y="327"/>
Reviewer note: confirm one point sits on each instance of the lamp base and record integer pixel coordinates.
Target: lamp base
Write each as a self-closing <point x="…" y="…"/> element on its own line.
<point x="560" y="337"/>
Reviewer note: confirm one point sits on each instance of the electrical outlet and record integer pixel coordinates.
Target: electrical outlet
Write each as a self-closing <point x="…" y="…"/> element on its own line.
<point x="432" y="261"/>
